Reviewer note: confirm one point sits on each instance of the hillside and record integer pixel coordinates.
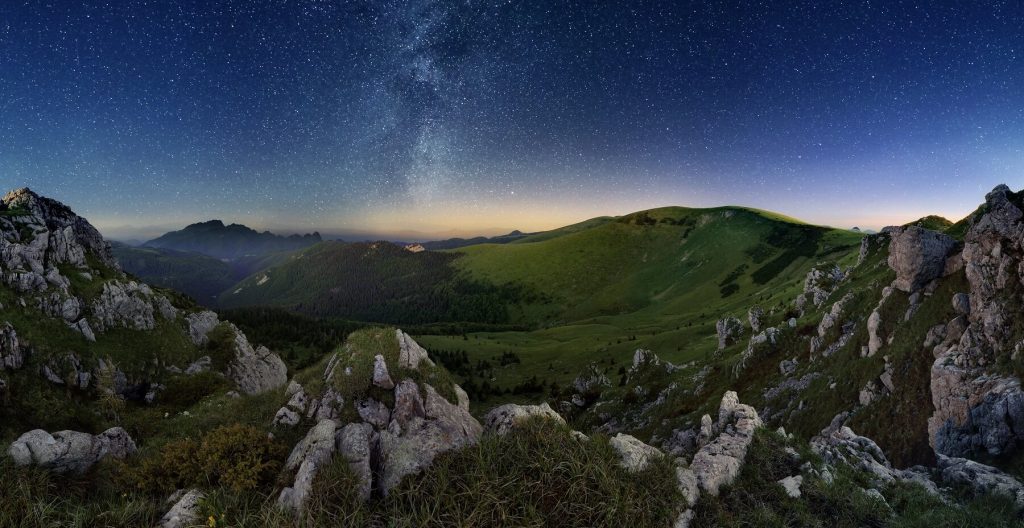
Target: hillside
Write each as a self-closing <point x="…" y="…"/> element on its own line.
<point x="376" y="282"/>
<point x="455" y="243"/>
<point x="199" y="276"/>
<point x="230" y="242"/>
<point x="166" y="415"/>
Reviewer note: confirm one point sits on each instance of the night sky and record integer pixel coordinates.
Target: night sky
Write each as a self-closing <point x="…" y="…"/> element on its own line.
<point x="475" y="117"/>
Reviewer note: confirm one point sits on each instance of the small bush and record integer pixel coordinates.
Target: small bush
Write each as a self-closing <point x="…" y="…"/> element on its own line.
<point x="236" y="456"/>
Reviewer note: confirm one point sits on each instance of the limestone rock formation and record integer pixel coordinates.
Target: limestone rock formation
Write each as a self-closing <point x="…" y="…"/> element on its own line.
<point x="255" y="370"/>
<point x="728" y="329"/>
<point x="981" y="479"/>
<point x="500" y="420"/>
<point x="635" y="454"/>
<point x="200" y="324"/>
<point x="755" y="315"/>
<point x="306" y="459"/>
<point x="69" y="451"/>
<point x="717" y="463"/>
<point x="185" y="511"/>
<point x="12" y="355"/>
<point x="917" y="255"/>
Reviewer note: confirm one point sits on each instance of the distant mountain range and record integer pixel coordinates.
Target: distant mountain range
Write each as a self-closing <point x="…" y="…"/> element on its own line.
<point x="455" y="243"/>
<point x="230" y="242"/>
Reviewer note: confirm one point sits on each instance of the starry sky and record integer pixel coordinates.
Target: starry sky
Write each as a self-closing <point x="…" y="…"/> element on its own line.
<point x="425" y="118"/>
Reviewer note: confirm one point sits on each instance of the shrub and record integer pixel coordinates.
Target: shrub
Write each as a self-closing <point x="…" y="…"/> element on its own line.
<point x="236" y="456"/>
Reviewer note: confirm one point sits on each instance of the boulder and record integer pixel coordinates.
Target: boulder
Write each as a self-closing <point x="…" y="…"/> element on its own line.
<point x="590" y="381"/>
<point x="381" y="378"/>
<point x="634" y="454"/>
<point x="124" y="304"/>
<point x="12" y="355"/>
<point x="505" y="418"/>
<point x="791" y="485"/>
<point x="962" y="303"/>
<point x="980" y="479"/>
<point x="69" y="451"/>
<point x="917" y="255"/>
<point x="410" y="353"/>
<point x="755" y="315"/>
<point x="717" y="463"/>
<point x="354" y="442"/>
<point x="255" y="370"/>
<point x="200" y="324"/>
<point x="186" y="510"/>
<point x="306" y="459"/>
<point x="728" y="329"/>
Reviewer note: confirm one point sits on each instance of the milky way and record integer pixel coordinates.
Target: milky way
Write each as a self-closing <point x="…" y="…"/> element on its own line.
<point x="430" y="116"/>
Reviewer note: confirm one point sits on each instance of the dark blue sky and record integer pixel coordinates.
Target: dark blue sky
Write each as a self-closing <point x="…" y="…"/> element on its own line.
<point x="474" y="116"/>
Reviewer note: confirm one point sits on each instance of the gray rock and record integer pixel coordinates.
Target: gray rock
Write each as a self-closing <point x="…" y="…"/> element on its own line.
<point x="407" y="448"/>
<point x="200" y="365"/>
<point x="185" y="512"/>
<point x="728" y="329"/>
<point x="200" y="324"/>
<point x="286" y="417"/>
<point x="354" y="443"/>
<point x="755" y="314"/>
<point x="719" y="462"/>
<point x="12" y="355"/>
<point x="381" y="378"/>
<point x="981" y="479"/>
<point x="792" y="485"/>
<point x="255" y="370"/>
<point x="634" y="455"/>
<point x="410" y="353"/>
<point x="82" y="327"/>
<point x="124" y="305"/>
<point x="69" y="451"/>
<point x="306" y="459"/>
<point x="962" y="303"/>
<point x="503" y="419"/>
<point x="918" y="256"/>
<point x="590" y="381"/>
<point x="373" y="412"/>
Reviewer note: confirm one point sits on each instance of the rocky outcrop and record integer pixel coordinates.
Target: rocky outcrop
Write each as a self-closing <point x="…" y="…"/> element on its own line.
<point x="980" y="479"/>
<point x="838" y="444"/>
<point x="818" y="286"/>
<point x="979" y="409"/>
<point x="729" y="330"/>
<point x="388" y="444"/>
<point x="306" y="459"/>
<point x="69" y="451"/>
<point x="719" y="461"/>
<point x="124" y="305"/>
<point x="634" y="455"/>
<point x="410" y="353"/>
<point x="755" y="315"/>
<point x="200" y="324"/>
<point x="917" y="255"/>
<point x="255" y="370"/>
<point x="12" y="355"/>
<point x="185" y="511"/>
<point x="503" y="419"/>
<point x="590" y="381"/>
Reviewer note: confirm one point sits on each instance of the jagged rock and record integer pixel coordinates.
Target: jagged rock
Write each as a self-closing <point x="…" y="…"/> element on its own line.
<point x="200" y="365"/>
<point x="981" y="479"/>
<point x="82" y="327"/>
<point x="788" y="366"/>
<point x="590" y="381"/>
<point x="838" y="444"/>
<point x="354" y="443"/>
<point x="286" y="417"/>
<point x="719" y="462"/>
<point x="381" y="378"/>
<point x="818" y="285"/>
<point x="917" y="255"/>
<point x="125" y="305"/>
<point x="962" y="303"/>
<point x="792" y="485"/>
<point x="634" y="454"/>
<point x="60" y="305"/>
<point x="418" y="434"/>
<point x="12" y="355"/>
<point x="834" y="315"/>
<point x="765" y="339"/>
<point x="728" y="329"/>
<point x="69" y="451"/>
<point x="185" y="511"/>
<point x="505" y="418"/>
<point x="374" y="412"/>
<point x="255" y="370"/>
<point x="754" y="315"/>
<point x="306" y="459"/>
<point x="874" y="340"/>
<point x="462" y="399"/>
<point x="200" y="324"/>
<point x="410" y="353"/>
